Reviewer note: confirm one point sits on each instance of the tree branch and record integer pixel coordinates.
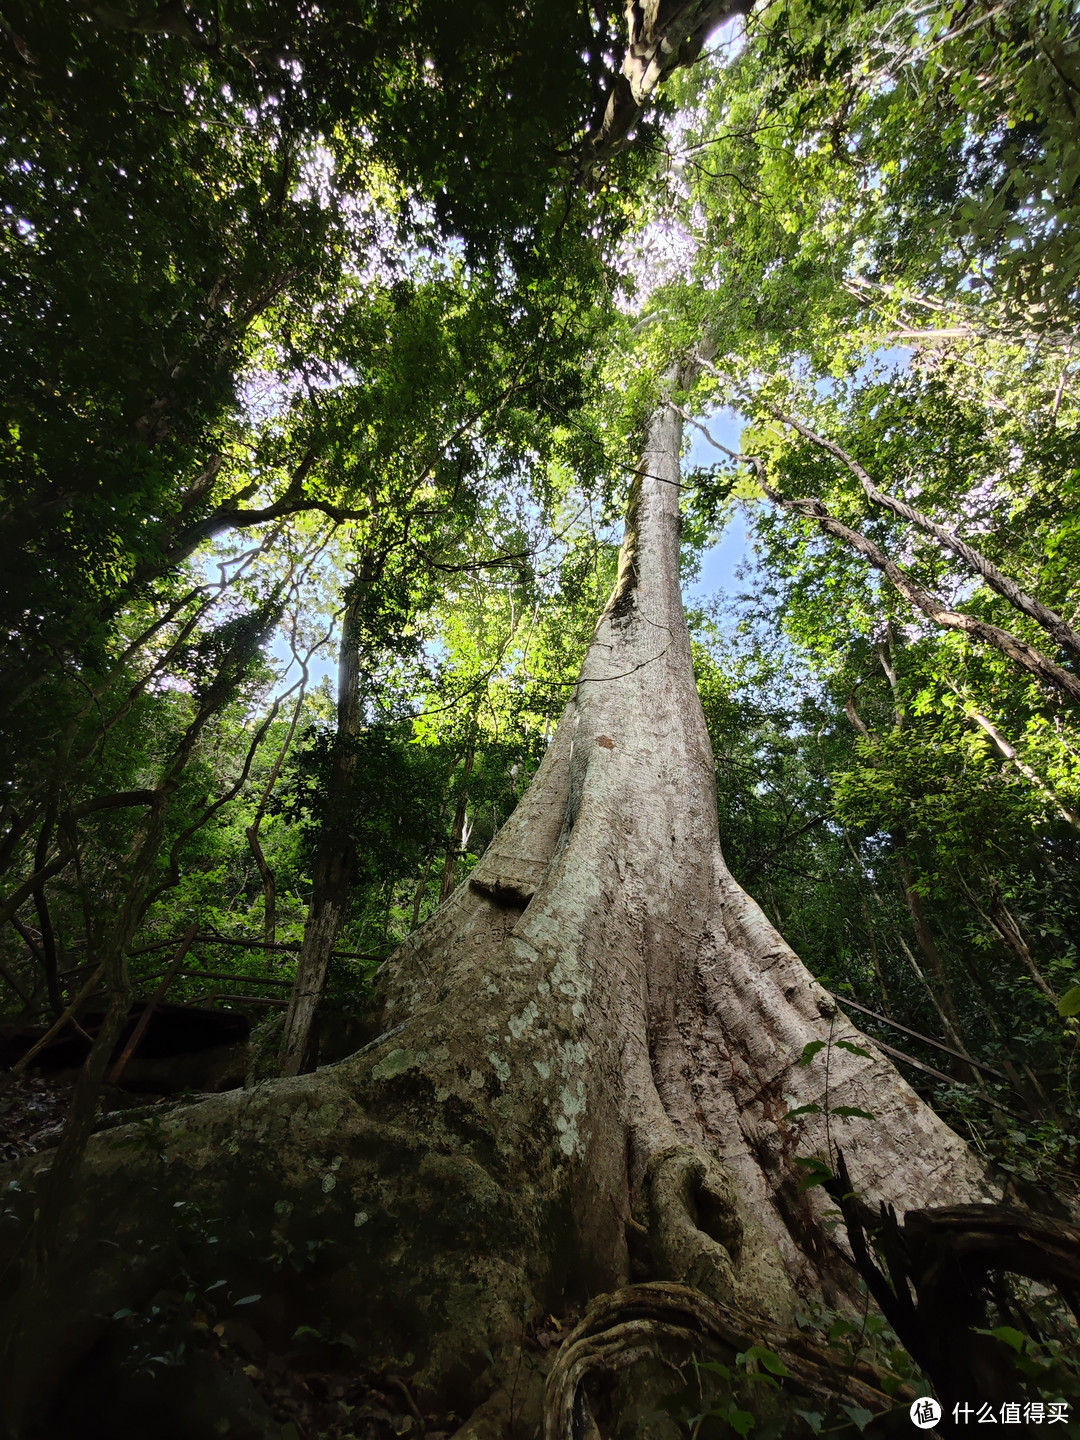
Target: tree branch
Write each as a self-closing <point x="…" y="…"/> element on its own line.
<point x="1005" y="586"/>
<point x="662" y="37"/>
<point x="1011" y="646"/>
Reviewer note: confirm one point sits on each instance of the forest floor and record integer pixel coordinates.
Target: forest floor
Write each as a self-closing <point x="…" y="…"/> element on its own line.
<point x="31" y="1110"/>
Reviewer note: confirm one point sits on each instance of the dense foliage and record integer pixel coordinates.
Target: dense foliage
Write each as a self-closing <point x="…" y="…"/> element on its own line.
<point x="324" y="367"/>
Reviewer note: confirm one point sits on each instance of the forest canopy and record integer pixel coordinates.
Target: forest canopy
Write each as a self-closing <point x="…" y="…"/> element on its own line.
<point x="331" y="341"/>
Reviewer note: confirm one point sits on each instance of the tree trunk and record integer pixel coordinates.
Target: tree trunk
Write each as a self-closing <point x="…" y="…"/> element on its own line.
<point x="269" y="883"/>
<point x="588" y="1058"/>
<point x="335" y="861"/>
<point x="421" y="891"/>
<point x="457" y="830"/>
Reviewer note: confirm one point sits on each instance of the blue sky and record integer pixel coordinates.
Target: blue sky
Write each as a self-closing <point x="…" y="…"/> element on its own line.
<point x="718" y="564"/>
<point x="720" y="561"/>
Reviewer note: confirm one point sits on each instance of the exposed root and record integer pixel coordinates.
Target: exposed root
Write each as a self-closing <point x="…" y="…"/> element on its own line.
<point x="692" y="1213"/>
<point x="675" y="1323"/>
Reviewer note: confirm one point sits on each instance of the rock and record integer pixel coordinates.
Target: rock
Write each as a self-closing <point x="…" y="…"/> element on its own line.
<point x="184" y="1047"/>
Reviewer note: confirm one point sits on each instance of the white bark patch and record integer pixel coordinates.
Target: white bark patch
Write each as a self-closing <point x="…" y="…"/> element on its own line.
<point x="567" y="978"/>
<point x="518" y="1024"/>
<point x="571" y="1056"/>
<point x="572" y="1104"/>
<point x="501" y="1068"/>
<point x="396" y="1063"/>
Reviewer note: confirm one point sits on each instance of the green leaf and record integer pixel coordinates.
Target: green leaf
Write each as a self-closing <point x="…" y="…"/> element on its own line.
<point x="1009" y="1336"/>
<point x="1069" y="1004"/>
<point x="248" y="1300"/>
<point x="839" y="1328"/>
<point x="740" y="1421"/>
<point x="816" y="1172"/>
<point x="803" y="1110"/>
<point x="900" y="1361"/>
<point x="860" y="1416"/>
<point x="714" y="1367"/>
<point x="813" y="1418"/>
<point x="853" y="1049"/>
<point x="851" y="1112"/>
<point x="768" y="1359"/>
<point x="810" y="1050"/>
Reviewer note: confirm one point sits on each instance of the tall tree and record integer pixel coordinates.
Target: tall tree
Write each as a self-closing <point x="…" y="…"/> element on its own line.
<point x="593" y="1046"/>
<point x="598" y="1060"/>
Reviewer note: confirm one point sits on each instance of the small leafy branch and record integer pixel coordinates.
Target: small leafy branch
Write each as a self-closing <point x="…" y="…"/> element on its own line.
<point x="816" y="1170"/>
<point x="755" y="1364"/>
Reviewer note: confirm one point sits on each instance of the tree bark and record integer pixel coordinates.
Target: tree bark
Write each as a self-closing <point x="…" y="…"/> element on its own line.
<point x="587" y="1062"/>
